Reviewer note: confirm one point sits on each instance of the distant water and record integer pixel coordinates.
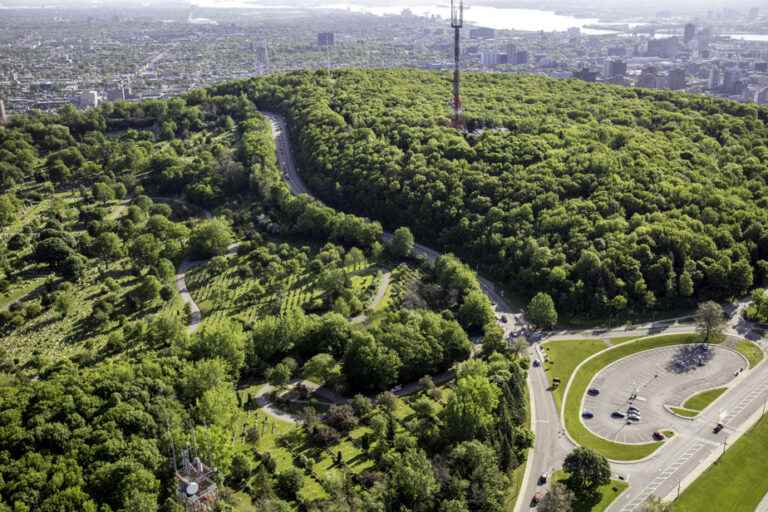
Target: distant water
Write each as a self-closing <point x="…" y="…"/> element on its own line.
<point x="763" y="38"/>
<point x="493" y="17"/>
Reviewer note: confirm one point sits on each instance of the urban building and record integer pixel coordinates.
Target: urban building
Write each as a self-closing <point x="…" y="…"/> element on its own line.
<point x="665" y="48"/>
<point x="676" y="79"/>
<point x="521" y="57"/>
<point x="3" y="117"/>
<point x="89" y="99"/>
<point x="586" y="74"/>
<point x="482" y="33"/>
<point x="713" y="82"/>
<point x="325" y="39"/>
<point x="614" y="68"/>
<point x="648" y="78"/>
<point x="689" y="32"/>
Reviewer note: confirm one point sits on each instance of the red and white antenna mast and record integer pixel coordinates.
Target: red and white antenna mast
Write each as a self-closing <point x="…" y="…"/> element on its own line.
<point x="457" y="21"/>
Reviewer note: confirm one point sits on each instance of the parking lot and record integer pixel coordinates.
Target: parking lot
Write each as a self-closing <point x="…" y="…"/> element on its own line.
<point x="659" y="377"/>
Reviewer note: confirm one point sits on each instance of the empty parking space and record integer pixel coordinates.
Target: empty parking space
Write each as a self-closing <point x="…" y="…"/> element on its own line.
<point x="648" y="381"/>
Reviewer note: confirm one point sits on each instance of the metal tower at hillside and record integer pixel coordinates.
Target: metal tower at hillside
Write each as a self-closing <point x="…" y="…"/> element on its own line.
<point x="457" y="21"/>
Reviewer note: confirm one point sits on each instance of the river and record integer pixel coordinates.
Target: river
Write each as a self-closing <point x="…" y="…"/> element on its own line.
<point x="533" y="20"/>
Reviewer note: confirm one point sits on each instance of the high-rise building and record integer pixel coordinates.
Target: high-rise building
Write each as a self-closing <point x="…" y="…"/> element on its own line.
<point x="664" y="48"/>
<point x="648" y="78"/>
<point x="614" y="68"/>
<point x="761" y="67"/>
<point x="732" y="83"/>
<point x="489" y="58"/>
<point x="617" y="51"/>
<point x="3" y="117"/>
<point x="713" y="83"/>
<point x="689" y="32"/>
<point x="676" y="79"/>
<point x="511" y="49"/>
<point x="325" y="39"/>
<point x="521" y="57"/>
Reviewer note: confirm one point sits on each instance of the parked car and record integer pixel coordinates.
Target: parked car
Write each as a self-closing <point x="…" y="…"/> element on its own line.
<point x="617" y="414"/>
<point x="632" y="409"/>
<point x="718" y="428"/>
<point x="658" y="436"/>
<point x="634" y="418"/>
<point x="593" y="391"/>
<point x="587" y="415"/>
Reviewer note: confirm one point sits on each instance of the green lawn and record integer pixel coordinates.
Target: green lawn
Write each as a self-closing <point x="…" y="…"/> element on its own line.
<point x="752" y="352"/>
<point x="743" y="468"/>
<point x="610" y="449"/>
<point x="684" y="412"/>
<point x="700" y="401"/>
<point x="608" y="493"/>
<point x="563" y="357"/>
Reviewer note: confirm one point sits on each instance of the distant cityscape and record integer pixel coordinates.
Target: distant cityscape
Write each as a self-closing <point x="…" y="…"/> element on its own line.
<point x="84" y="57"/>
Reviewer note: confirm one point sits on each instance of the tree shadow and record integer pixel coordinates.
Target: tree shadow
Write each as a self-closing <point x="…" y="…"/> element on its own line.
<point x="690" y="357"/>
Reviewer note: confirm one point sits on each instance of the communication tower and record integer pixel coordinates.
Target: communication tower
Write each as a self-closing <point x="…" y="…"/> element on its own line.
<point x="457" y="22"/>
<point x="195" y="485"/>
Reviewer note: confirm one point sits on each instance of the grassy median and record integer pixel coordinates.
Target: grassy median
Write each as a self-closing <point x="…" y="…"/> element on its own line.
<point x="563" y="357"/>
<point x="752" y="352"/>
<point x="581" y="380"/>
<point x="736" y="482"/>
<point x="700" y="401"/>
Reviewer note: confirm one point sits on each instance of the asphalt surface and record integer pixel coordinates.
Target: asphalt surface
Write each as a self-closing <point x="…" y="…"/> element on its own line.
<point x="657" y="381"/>
<point x="675" y="464"/>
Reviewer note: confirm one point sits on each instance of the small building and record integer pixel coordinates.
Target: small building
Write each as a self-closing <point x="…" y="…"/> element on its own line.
<point x="89" y="99"/>
<point x="676" y="79"/>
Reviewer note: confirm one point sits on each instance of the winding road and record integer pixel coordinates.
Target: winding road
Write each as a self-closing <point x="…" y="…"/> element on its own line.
<point x="551" y="445"/>
<point x="667" y="472"/>
<point x="672" y="467"/>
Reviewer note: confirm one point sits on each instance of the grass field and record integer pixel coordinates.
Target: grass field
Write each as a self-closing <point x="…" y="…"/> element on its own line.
<point x="608" y="494"/>
<point x="700" y="401"/>
<point x="752" y="352"/>
<point x="684" y="412"/>
<point x="736" y="482"/>
<point x="563" y="357"/>
<point x="581" y="380"/>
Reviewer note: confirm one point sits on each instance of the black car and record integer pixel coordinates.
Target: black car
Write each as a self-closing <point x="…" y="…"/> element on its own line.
<point x="593" y="391"/>
<point x="587" y="415"/>
<point x="718" y="428"/>
<point x="617" y="414"/>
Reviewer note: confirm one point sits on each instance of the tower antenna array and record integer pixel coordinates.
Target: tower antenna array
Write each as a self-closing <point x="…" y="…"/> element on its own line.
<point x="457" y="21"/>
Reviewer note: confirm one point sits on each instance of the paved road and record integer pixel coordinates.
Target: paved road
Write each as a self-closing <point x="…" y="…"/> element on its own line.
<point x="551" y="445"/>
<point x="673" y="466"/>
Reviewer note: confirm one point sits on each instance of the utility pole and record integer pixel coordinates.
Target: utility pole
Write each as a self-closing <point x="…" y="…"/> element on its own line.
<point x="457" y="22"/>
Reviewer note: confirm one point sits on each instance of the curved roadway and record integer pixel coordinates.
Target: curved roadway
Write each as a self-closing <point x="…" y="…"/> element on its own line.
<point x="551" y="445"/>
<point x="675" y="465"/>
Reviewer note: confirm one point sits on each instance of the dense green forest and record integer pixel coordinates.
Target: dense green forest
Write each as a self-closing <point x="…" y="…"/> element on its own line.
<point x="100" y="377"/>
<point x="610" y="199"/>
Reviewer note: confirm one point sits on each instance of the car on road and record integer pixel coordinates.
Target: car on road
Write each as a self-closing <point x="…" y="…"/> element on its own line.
<point x="504" y="319"/>
<point x="593" y="391"/>
<point x="536" y="363"/>
<point x="543" y="479"/>
<point x="537" y="498"/>
<point x="587" y="415"/>
<point x="658" y="436"/>
<point x="618" y="414"/>
<point x="718" y="428"/>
